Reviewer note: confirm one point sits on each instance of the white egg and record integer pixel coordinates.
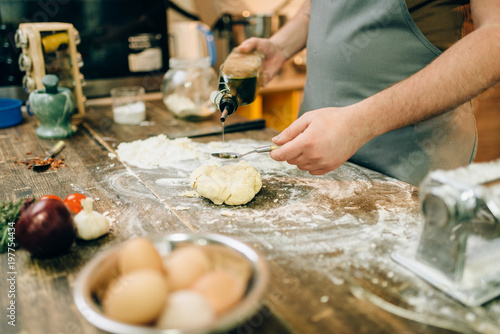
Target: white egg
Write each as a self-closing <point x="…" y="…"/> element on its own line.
<point x="185" y="309"/>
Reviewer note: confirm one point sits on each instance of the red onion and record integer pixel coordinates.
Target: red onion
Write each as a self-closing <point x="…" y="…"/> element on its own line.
<point x="46" y="228"/>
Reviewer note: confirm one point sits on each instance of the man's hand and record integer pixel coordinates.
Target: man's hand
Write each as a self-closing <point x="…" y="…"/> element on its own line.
<point x="290" y="39"/>
<point x="321" y="140"/>
<point x="274" y="57"/>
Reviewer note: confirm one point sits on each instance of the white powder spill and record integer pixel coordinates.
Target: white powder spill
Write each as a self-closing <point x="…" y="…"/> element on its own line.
<point x="156" y="151"/>
<point x="191" y="193"/>
<point x="185" y="154"/>
<point x="182" y="208"/>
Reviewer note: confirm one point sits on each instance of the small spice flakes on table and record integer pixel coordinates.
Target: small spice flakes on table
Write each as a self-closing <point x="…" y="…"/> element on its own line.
<point x="54" y="162"/>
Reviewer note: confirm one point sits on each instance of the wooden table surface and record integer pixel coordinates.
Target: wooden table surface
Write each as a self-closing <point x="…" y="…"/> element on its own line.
<point x="306" y="227"/>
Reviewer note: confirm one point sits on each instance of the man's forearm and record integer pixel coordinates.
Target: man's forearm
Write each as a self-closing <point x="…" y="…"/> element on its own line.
<point x="293" y="36"/>
<point x="463" y="71"/>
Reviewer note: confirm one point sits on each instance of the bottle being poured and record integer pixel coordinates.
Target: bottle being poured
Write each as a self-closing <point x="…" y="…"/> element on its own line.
<point x="238" y="82"/>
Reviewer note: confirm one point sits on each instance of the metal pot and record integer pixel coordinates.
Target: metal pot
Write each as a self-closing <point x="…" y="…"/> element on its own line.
<point x="263" y="25"/>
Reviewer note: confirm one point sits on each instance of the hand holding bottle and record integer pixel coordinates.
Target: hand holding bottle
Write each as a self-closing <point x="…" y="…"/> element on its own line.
<point x="274" y="58"/>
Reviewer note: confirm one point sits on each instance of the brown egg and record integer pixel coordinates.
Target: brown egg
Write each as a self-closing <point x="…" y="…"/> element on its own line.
<point x="139" y="253"/>
<point x="184" y="266"/>
<point x="137" y="297"/>
<point x="185" y="309"/>
<point x="221" y="288"/>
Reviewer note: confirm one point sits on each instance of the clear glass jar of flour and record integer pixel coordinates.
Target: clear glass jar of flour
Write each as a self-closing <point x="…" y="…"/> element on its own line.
<point x="187" y="86"/>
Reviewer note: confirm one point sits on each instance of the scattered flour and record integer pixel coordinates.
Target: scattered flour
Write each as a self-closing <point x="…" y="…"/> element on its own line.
<point x="227" y="213"/>
<point x="191" y="193"/>
<point x="186" y="154"/>
<point x="182" y="208"/>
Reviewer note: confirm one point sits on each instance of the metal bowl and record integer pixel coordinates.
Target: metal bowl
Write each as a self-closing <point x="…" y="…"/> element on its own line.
<point x="96" y="273"/>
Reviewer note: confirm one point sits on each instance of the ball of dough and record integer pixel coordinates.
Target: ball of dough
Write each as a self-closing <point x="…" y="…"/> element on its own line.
<point x="234" y="184"/>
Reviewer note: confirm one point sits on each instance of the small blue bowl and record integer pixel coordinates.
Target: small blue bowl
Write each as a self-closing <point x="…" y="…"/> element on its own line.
<point x="10" y="112"/>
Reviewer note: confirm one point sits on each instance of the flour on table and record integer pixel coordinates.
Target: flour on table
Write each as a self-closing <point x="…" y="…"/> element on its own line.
<point x="182" y="208"/>
<point x="190" y="193"/>
<point x="184" y="154"/>
<point x="156" y="151"/>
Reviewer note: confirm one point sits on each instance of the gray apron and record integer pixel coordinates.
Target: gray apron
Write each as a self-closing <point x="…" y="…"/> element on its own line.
<point x="357" y="48"/>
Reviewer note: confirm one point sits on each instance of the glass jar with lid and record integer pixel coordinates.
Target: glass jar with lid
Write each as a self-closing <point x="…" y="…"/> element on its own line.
<point x="186" y="88"/>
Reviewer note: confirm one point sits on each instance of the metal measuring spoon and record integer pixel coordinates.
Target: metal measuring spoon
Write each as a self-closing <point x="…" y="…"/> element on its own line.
<point x="41" y="166"/>
<point x="232" y="155"/>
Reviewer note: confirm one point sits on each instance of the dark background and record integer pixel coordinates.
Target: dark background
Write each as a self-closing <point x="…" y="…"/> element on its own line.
<point x="104" y="27"/>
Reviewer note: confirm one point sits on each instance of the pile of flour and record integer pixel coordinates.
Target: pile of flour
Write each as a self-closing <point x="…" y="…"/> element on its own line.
<point x="157" y="151"/>
<point x="186" y="154"/>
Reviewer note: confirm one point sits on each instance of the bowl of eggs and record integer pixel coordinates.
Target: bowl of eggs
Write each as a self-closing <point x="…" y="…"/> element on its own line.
<point x="174" y="283"/>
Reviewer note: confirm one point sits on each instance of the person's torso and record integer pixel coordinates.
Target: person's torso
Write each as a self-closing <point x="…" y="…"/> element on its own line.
<point x="357" y="48"/>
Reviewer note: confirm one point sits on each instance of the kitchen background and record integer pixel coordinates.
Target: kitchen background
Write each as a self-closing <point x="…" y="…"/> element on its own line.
<point x="115" y="33"/>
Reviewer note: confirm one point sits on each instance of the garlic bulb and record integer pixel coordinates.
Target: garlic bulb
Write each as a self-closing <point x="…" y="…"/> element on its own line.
<point x="89" y="223"/>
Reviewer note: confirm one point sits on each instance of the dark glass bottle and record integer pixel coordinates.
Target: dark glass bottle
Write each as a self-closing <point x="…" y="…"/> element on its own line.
<point x="238" y="82"/>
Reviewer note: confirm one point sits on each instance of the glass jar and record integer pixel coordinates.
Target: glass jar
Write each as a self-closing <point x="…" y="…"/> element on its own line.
<point x="186" y="88"/>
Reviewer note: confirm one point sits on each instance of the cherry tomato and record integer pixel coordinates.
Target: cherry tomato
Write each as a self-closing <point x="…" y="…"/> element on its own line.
<point x="50" y="196"/>
<point x="75" y="197"/>
<point x="73" y="206"/>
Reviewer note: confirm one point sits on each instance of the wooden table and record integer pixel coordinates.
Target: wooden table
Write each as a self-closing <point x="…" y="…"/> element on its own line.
<point x="305" y="226"/>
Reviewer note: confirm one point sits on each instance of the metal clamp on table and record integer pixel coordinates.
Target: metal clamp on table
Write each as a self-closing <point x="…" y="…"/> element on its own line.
<point x="459" y="248"/>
